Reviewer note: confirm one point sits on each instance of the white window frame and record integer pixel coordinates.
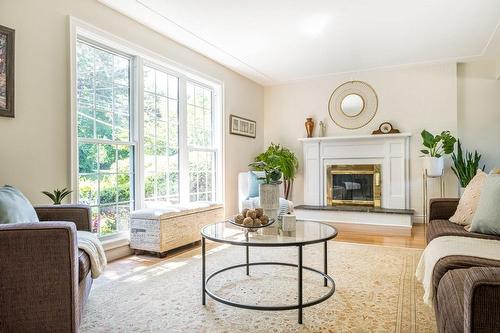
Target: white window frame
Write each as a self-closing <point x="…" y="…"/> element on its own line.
<point x="143" y="57"/>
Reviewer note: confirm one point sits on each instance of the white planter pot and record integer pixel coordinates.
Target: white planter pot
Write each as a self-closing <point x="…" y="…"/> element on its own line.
<point x="434" y="166"/>
<point x="270" y="199"/>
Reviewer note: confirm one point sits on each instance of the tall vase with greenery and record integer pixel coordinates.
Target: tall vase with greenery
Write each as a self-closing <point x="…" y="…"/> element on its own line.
<point x="269" y="192"/>
<point x="436" y="146"/>
<point x="284" y="159"/>
<point x="465" y="165"/>
<point x="57" y="195"/>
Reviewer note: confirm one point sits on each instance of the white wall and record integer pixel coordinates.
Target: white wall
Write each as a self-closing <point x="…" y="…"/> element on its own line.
<point x="35" y="146"/>
<point x="411" y="98"/>
<point x="479" y="110"/>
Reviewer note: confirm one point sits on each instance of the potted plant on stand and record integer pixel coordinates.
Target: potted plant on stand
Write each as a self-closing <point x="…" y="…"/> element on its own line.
<point x="269" y="188"/>
<point x="465" y="166"/>
<point x="436" y="147"/>
<point x="284" y="159"/>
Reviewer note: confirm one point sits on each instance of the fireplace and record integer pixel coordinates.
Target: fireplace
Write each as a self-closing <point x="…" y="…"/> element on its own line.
<point x="353" y="185"/>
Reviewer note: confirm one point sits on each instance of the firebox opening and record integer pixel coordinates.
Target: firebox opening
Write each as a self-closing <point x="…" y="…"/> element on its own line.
<point x="354" y="185"/>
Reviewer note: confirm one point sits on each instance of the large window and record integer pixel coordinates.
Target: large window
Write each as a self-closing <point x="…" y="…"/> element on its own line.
<point x="105" y="149"/>
<point x="200" y="140"/>
<point x="161" y="136"/>
<point x="146" y="135"/>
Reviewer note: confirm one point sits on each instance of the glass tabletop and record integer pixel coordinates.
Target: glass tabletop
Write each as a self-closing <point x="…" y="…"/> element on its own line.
<point x="299" y="233"/>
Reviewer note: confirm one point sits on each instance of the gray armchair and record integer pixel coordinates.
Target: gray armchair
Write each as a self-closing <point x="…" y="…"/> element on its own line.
<point x="44" y="277"/>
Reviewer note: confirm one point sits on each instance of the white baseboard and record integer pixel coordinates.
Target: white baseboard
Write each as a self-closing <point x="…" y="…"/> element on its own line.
<point x="380" y="219"/>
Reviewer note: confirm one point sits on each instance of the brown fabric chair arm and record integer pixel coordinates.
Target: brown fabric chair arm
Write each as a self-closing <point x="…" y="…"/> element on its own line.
<point x="78" y="214"/>
<point x="38" y="277"/>
<point x="459" y="262"/>
<point x="442" y="208"/>
<point x="482" y="299"/>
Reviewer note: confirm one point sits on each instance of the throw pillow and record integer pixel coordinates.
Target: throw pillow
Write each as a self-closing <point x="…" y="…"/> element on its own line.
<point x="468" y="202"/>
<point x="487" y="217"/>
<point x="495" y="171"/>
<point x="15" y="207"/>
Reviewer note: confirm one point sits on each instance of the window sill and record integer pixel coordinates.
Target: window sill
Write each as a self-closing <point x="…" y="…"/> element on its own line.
<point x="113" y="242"/>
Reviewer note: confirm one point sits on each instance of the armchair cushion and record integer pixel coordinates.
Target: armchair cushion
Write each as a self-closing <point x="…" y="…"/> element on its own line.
<point x="15" y="207"/>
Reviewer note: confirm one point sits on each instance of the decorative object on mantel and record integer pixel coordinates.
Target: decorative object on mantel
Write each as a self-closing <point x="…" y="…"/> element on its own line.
<point x="285" y="160"/>
<point x="269" y="191"/>
<point x="6" y="72"/>
<point x="322" y="129"/>
<point x="57" y="196"/>
<point x="242" y="126"/>
<point x="436" y="147"/>
<point x="386" y="128"/>
<point x="353" y="104"/>
<point x="309" y="124"/>
<point x="465" y="166"/>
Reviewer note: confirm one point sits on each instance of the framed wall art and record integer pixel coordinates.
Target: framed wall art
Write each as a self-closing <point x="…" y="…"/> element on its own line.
<point x="242" y="126"/>
<point x="6" y="72"/>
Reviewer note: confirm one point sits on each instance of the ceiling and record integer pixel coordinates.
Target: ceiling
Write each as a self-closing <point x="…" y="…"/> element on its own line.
<point x="278" y="41"/>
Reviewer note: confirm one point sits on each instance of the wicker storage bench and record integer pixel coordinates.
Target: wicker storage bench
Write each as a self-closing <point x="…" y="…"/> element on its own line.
<point x="162" y="229"/>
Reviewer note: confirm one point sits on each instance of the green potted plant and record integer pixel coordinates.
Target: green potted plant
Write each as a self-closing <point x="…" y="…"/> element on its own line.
<point x="465" y="166"/>
<point x="57" y="195"/>
<point x="283" y="158"/>
<point x="269" y="192"/>
<point x="436" y="146"/>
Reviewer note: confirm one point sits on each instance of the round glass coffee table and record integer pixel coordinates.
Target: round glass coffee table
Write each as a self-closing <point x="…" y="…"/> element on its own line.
<point x="300" y="234"/>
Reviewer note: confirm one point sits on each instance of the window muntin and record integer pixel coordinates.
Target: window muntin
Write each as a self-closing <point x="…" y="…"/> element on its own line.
<point x="161" y="136"/>
<point x="105" y="152"/>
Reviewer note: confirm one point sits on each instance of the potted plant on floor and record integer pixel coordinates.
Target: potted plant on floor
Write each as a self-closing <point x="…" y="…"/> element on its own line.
<point x="57" y="195"/>
<point x="283" y="158"/>
<point x="436" y="146"/>
<point x="465" y="166"/>
<point x="269" y="187"/>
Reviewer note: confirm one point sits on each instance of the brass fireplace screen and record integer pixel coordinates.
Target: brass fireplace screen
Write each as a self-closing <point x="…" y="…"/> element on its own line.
<point x="353" y="185"/>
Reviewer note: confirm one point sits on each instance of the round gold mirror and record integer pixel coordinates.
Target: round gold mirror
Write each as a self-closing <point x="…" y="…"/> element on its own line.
<point x="352" y="105"/>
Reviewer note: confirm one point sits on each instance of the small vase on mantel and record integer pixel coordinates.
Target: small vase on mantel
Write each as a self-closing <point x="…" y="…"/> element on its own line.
<point x="309" y="124"/>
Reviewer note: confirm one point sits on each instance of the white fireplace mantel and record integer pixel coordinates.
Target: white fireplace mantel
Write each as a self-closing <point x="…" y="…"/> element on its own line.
<point x="391" y="151"/>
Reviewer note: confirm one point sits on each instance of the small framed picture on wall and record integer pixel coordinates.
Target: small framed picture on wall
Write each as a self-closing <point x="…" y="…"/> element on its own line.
<point x="6" y="72"/>
<point x="242" y="126"/>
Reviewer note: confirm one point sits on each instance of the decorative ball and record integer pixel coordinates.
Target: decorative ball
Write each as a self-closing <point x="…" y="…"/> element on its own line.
<point x="239" y="219"/>
<point x="264" y="219"/>
<point x="244" y="212"/>
<point x="257" y="223"/>
<point x="248" y="221"/>
<point x="251" y="213"/>
<point x="259" y="212"/>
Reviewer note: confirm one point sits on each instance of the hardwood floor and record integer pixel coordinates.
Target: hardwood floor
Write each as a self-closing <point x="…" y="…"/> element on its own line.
<point x="362" y="234"/>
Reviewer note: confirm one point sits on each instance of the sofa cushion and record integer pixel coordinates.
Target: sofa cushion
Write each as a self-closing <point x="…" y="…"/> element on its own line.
<point x="450" y="301"/>
<point x="83" y="265"/>
<point x="438" y="228"/>
<point x="487" y="217"/>
<point x="469" y="200"/>
<point x="15" y="207"/>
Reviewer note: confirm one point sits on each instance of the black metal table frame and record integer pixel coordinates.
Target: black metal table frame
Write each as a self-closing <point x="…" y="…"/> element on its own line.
<point x="300" y="267"/>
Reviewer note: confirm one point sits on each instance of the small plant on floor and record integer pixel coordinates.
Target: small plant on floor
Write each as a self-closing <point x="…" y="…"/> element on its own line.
<point x="465" y="165"/>
<point x="272" y="173"/>
<point x="57" y="195"/>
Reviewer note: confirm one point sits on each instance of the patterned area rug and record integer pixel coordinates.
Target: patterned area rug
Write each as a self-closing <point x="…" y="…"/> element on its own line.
<point x="375" y="292"/>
